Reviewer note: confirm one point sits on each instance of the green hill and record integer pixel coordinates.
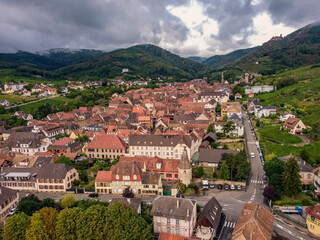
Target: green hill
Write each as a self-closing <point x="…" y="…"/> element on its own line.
<point x="298" y="92"/>
<point x="300" y="48"/>
<point x="217" y="61"/>
<point x="197" y="59"/>
<point x="141" y="60"/>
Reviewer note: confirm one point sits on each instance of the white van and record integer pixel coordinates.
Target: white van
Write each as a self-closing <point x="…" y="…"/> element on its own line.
<point x="252" y="155"/>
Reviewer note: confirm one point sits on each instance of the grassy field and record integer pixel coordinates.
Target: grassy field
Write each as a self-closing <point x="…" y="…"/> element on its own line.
<point x="274" y="134"/>
<point x="236" y="145"/>
<point x="53" y="101"/>
<point x="17" y="98"/>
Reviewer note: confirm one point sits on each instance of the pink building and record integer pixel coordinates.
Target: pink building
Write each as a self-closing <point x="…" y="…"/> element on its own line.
<point x="174" y="215"/>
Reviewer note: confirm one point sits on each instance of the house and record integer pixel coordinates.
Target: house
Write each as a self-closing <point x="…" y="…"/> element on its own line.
<point x="229" y="108"/>
<point x="284" y="116"/>
<point x="237" y="96"/>
<point x="22" y="114"/>
<point x="164" y="146"/>
<point x="254" y="222"/>
<point x="170" y="236"/>
<point x="26" y="93"/>
<point x="93" y="128"/>
<point x="306" y="170"/>
<point x="128" y="174"/>
<point x="313" y="219"/>
<point x="238" y="127"/>
<point x="65" y="145"/>
<point x="4" y="102"/>
<point x="209" y="157"/>
<point x="44" y="176"/>
<point x="316" y="178"/>
<point x="294" y="126"/>
<point x="257" y="89"/>
<point x="106" y="146"/>
<point x="208" y="139"/>
<point x="252" y="105"/>
<point x="218" y="126"/>
<point x="174" y="215"/>
<point x="134" y="203"/>
<point x="209" y="219"/>
<point x="265" y="111"/>
<point x="9" y="199"/>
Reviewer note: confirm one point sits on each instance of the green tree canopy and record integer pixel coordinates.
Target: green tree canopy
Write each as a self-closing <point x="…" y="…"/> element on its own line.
<point x="28" y="207"/>
<point x="210" y="129"/>
<point x="66" y="225"/>
<point x="291" y="179"/>
<point x="275" y="165"/>
<point x="42" y="225"/>
<point x="224" y="171"/>
<point x="64" y="159"/>
<point x="67" y="201"/>
<point x="15" y="228"/>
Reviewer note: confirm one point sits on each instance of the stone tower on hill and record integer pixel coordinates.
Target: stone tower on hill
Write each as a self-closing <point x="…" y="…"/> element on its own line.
<point x="185" y="169"/>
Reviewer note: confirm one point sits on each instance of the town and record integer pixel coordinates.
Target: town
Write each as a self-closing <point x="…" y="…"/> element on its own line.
<point x="185" y="152"/>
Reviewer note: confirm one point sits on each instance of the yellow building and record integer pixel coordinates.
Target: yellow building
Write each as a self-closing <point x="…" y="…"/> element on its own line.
<point x="313" y="219"/>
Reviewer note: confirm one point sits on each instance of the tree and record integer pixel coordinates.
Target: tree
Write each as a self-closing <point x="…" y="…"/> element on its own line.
<point x="270" y="193"/>
<point x="291" y="178"/>
<point x="214" y="145"/>
<point x="83" y="138"/>
<point x="276" y="181"/>
<point x="47" y="202"/>
<point x="210" y="129"/>
<point x="218" y="108"/>
<point x="28" y="207"/>
<point x="67" y="201"/>
<point x="224" y="171"/>
<point x="66" y="225"/>
<point x="15" y="228"/>
<point x="64" y="159"/>
<point x="275" y="165"/>
<point x="124" y="223"/>
<point x="90" y="224"/>
<point x="61" y="135"/>
<point x="198" y="172"/>
<point x="228" y="127"/>
<point x="238" y="89"/>
<point x="305" y="155"/>
<point x="42" y="225"/>
<point x="128" y="193"/>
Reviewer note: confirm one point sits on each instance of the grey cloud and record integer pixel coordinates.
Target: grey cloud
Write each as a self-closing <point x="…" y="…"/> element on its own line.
<point x="35" y="24"/>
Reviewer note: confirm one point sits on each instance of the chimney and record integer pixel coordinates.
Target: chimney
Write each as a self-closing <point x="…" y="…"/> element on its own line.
<point x="178" y="203"/>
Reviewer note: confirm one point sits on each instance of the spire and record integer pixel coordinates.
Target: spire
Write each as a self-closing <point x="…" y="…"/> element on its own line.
<point x="184" y="162"/>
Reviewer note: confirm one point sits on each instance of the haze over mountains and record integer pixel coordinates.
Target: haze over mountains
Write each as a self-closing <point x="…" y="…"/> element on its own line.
<point x="299" y="48"/>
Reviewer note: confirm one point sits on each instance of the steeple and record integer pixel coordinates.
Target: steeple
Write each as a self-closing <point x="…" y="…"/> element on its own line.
<point x="184" y="162"/>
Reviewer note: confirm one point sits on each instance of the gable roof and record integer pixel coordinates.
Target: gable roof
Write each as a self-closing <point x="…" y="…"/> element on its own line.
<point x="107" y="141"/>
<point x="210" y="215"/>
<point x="213" y="155"/>
<point x="291" y="122"/>
<point x="172" y="207"/>
<point x="255" y="222"/>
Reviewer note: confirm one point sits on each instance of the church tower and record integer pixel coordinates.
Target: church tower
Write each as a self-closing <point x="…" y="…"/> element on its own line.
<point x="184" y="168"/>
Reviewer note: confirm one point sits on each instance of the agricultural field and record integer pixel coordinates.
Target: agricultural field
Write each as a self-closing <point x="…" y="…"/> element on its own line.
<point x="17" y="99"/>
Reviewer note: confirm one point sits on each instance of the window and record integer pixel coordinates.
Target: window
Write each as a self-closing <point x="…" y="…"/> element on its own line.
<point x="168" y="230"/>
<point x="169" y="175"/>
<point x="177" y="222"/>
<point x="117" y="177"/>
<point x="168" y="220"/>
<point x="159" y="228"/>
<point x="135" y="177"/>
<point x="158" y="219"/>
<point x="177" y="231"/>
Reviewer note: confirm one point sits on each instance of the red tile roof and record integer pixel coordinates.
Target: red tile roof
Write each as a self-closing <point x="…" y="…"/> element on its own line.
<point x="107" y="141"/>
<point x="103" y="176"/>
<point x="291" y="122"/>
<point x="71" y="155"/>
<point x="63" y="141"/>
<point x="314" y="211"/>
<point x="170" y="236"/>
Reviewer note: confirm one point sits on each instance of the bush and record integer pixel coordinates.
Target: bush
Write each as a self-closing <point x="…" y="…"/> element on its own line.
<point x="198" y="172"/>
<point x="182" y="187"/>
<point x="192" y="186"/>
<point x="306" y="202"/>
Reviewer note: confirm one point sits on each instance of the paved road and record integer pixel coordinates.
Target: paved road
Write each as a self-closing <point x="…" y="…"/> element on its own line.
<point x="40" y="99"/>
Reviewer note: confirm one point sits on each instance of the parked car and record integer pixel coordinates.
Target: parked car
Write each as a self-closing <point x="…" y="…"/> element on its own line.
<point x="12" y="212"/>
<point x="226" y="187"/>
<point x="85" y="199"/>
<point x="264" y="177"/>
<point x="93" y="195"/>
<point x="239" y="187"/>
<point x="211" y="185"/>
<point x="232" y="187"/>
<point x="219" y="186"/>
<point x="252" y="155"/>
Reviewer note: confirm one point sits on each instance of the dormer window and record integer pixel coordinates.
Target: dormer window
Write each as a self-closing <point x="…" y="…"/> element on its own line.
<point x="158" y="165"/>
<point x="135" y="177"/>
<point x="117" y="177"/>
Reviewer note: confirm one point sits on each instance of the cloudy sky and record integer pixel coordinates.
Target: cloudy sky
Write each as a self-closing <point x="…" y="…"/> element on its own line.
<point x="186" y="27"/>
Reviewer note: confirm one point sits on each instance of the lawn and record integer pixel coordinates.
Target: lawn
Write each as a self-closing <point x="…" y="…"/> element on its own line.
<point x="208" y="172"/>
<point x="274" y="134"/>
<point x="236" y="146"/>
<point x="53" y="101"/>
<point x="17" y="98"/>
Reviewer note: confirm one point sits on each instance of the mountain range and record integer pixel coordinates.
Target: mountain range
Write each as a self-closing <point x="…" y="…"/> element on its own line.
<point x="299" y="48"/>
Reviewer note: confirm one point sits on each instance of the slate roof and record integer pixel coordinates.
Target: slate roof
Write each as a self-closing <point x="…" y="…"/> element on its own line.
<point x="210" y="215"/>
<point x="213" y="155"/>
<point x="6" y="194"/>
<point x="166" y="206"/>
<point x="159" y="140"/>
